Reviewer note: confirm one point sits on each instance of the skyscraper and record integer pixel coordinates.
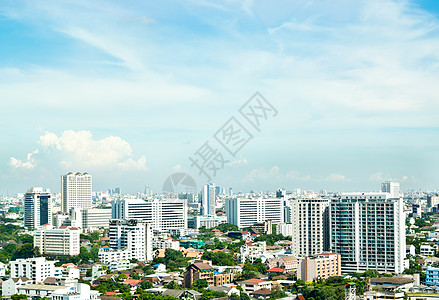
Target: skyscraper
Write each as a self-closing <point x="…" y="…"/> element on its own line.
<point x="208" y="200"/>
<point x="76" y="191"/>
<point x="368" y="230"/>
<point x="310" y="222"/>
<point x="37" y="208"/>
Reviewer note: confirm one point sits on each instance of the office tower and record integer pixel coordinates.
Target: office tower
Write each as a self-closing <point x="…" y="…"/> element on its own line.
<point x="132" y="235"/>
<point x="368" y="230"/>
<point x="245" y="212"/>
<point x="89" y="219"/>
<point x="36" y="269"/>
<point x="57" y="241"/>
<point x="161" y="214"/>
<point x="310" y="226"/>
<point x="75" y="191"/>
<point x="37" y="208"/>
<point x="208" y="200"/>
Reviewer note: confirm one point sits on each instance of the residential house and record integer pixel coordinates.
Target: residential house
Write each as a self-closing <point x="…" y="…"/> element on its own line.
<point x="254" y="284"/>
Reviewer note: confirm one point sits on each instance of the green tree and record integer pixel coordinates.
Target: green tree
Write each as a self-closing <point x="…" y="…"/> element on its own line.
<point x="144" y="284"/>
<point x="200" y="284"/>
<point x="172" y="285"/>
<point x="18" y="297"/>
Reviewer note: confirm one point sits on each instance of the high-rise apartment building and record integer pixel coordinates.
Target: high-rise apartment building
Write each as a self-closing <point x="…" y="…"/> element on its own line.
<point x="245" y="212"/>
<point x="90" y="219"/>
<point x="208" y="200"/>
<point x="310" y="232"/>
<point x="57" y="241"/>
<point x="160" y="214"/>
<point x="132" y="235"/>
<point x="37" y="208"/>
<point x="76" y="190"/>
<point x="368" y="230"/>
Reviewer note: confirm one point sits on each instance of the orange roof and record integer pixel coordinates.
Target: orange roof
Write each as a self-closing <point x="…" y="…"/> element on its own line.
<point x="254" y="280"/>
<point x="276" y="270"/>
<point x="105" y="238"/>
<point x="132" y="282"/>
<point x="327" y="253"/>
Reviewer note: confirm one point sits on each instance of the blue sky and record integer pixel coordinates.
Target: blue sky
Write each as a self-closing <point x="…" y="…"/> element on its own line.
<point x="128" y="91"/>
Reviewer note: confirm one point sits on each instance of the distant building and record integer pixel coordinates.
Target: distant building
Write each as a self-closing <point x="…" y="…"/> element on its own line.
<point x="206" y="221"/>
<point x="11" y="285"/>
<point x="57" y="241"/>
<point x="321" y="266"/>
<point x="90" y="219"/>
<point x="208" y="200"/>
<point x="37" y="269"/>
<point x="245" y="212"/>
<point x="310" y="235"/>
<point x="254" y="284"/>
<point x="202" y="269"/>
<point x="196" y="244"/>
<point x="285" y="229"/>
<point x="37" y="208"/>
<point x="161" y="214"/>
<point x="252" y="251"/>
<point x="76" y="191"/>
<point x="165" y="244"/>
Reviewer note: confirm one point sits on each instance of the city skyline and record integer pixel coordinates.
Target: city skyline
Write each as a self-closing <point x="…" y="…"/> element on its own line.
<point x="129" y="93"/>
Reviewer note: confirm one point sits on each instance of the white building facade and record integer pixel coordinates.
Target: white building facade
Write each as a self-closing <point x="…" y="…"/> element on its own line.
<point x="368" y="231"/>
<point x="310" y="229"/>
<point x="76" y="191"/>
<point x="36" y="269"/>
<point x="245" y="212"/>
<point x="132" y="235"/>
<point x="208" y="200"/>
<point x="162" y="214"/>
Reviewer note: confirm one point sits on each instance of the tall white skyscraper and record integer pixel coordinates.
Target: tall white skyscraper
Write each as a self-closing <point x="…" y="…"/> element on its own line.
<point x="37" y="208"/>
<point x="310" y="234"/>
<point x="76" y="190"/>
<point x="161" y="214"/>
<point x="245" y="212"/>
<point x="208" y="200"/>
<point x="368" y="230"/>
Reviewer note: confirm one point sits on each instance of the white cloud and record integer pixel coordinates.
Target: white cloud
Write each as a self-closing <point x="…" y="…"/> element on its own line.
<point x="27" y="164"/>
<point x="336" y="177"/>
<point x="238" y="162"/>
<point x="78" y="149"/>
<point x="379" y="177"/>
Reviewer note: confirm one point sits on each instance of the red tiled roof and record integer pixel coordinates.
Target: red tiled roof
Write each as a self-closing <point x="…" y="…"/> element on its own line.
<point x="132" y="282"/>
<point x="276" y="270"/>
<point x="254" y="280"/>
<point x="300" y="297"/>
<point x="327" y="253"/>
<point x="105" y="238"/>
<point x="111" y="293"/>
<point x="263" y="291"/>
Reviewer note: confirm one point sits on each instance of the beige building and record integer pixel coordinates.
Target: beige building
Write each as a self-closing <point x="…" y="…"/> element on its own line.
<point x="322" y="266"/>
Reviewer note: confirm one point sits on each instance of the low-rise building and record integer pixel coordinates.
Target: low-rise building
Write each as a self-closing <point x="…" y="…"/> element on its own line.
<point x="396" y="283"/>
<point x="165" y="244"/>
<point x="254" y="284"/>
<point x="384" y="295"/>
<point x="107" y="255"/>
<point x="321" y="266"/>
<point x="37" y="269"/>
<point x="38" y="290"/>
<point x="427" y="250"/>
<point x="432" y="276"/>
<point x="198" y="270"/>
<point x="196" y="244"/>
<point x="252" y="251"/>
<point x="10" y="286"/>
<point x="76" y="291"/>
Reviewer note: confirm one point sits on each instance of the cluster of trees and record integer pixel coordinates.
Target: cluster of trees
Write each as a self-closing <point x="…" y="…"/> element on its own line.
<point x="219" y="258"/>
<point x="332" y="288"/>
<point x="270" y="239"/>
<point x="251" y="270"/>
<point x="174" y="260"/>
<point x="24" y="247"/>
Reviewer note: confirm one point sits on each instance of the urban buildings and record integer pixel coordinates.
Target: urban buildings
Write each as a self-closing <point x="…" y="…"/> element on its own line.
<point x="310" y="230"/>
<point x="37" y="208"/>
<point x="132" y="235"/>
<point x="76" y="291"/>
<point x="432" y="276"/>
<point x="36" y="269"/>
<point x="368" y="230"/>
<point x="57" y="241"/>
<point x="321" y="266"/>
<point x="76" y="190"/>
<point x="285" y="229"/>
<point x="206" y="221"/>
<point x="90" y="219"/>
<point x="245" y="212"/>
<point x="160" y="214"/>
<point x="208" y="200"/>
<point x="252" y="251"/>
